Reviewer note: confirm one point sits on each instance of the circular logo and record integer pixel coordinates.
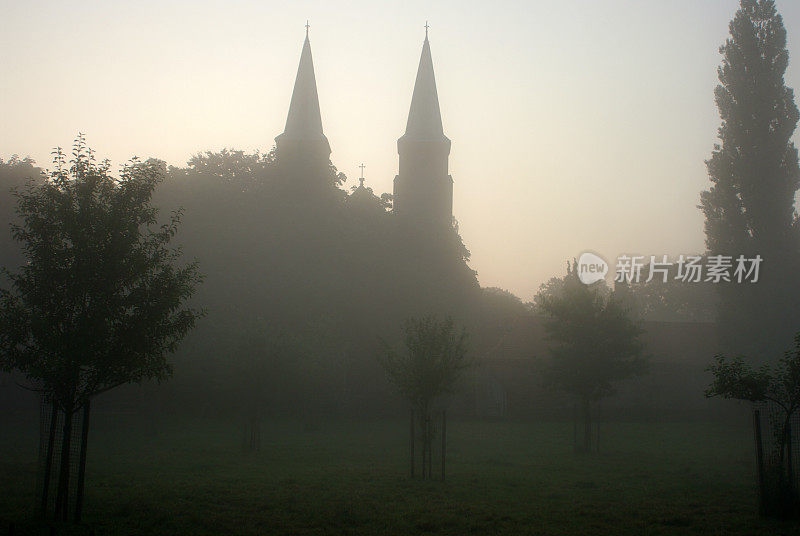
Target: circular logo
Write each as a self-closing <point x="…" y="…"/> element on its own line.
<point x="591" y="268"/>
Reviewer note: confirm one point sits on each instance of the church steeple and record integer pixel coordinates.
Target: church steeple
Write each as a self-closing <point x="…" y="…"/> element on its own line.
<point x="303" y="131"/>
<point x="423" y="188"/>
<point x="424" y="116"/>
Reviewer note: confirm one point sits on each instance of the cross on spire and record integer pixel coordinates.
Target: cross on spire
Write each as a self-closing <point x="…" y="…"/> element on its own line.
<point x="426" y="29"/>
<point x="361" y="178"/>
<point x="307" y="27"/>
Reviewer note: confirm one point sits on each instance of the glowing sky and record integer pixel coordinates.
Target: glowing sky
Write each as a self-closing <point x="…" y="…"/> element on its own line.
<point x="575" y="125"/>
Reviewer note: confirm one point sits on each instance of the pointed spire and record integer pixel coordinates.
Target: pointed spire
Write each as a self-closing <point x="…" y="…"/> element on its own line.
<point x="424" y="117"/>
<point x="304" y="122"/>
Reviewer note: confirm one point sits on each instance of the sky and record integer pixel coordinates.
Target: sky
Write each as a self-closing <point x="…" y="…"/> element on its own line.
<point x="575" y="125"/>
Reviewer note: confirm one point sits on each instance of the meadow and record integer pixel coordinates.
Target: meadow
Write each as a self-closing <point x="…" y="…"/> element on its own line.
<point x="190" y="476"/>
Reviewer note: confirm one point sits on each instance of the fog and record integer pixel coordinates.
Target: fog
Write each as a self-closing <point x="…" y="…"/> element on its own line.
<point x="578" y="111"/>
<point x="387" y="268"/>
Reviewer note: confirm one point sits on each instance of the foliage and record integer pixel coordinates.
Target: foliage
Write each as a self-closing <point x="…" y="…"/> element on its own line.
<point x="780" y="383"/>
<point x="263" y="362"/>
<point x="434" y="359"/>
<point x="672" y="300"/>
<point x="100" y="301"/>
<point x="750" y="207"/>
<point x="435" y="356"/>
<point x="594" y="341"/>
<point x="332" y="269"/>
<point x="230" y="164"/>
<point x="15" y="173"/>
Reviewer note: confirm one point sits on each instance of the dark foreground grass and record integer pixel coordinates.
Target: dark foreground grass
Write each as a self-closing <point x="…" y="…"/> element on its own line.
<point x="190" y="477"/>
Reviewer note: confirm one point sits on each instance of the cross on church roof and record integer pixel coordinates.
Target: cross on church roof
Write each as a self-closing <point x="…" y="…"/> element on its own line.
<point x="307" y="27"/>
<point x="426" y="29"/>
<point x="361" y="178"/>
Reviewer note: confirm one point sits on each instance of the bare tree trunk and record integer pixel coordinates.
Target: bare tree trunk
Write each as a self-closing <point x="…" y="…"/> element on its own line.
<point x="258" y="433"/>
<point x="252" y="433"/>
<point x="62" y="494"/>
<point x="790" y="464"/>
<point x="597" y="427"/>
<point x="48" y="460"/>
<point x="429" y="437"/>
<point x="424" y="431"/>
<point x="411" y="443"/>
<point x="587" y="425"/>
<point x="783" y="444"/>
<point x="444" y="440"/>
<point x="82" y="462"/>
<point x="575" y="419"/>
<point x="760" y="462"/>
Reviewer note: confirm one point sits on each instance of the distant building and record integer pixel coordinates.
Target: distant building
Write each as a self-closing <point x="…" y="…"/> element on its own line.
<point x="423" y="188"/>
<point x="303" y="147"/>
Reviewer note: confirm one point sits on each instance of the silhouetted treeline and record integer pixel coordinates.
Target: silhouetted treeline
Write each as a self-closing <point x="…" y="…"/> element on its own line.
<point x="329" y="270"/>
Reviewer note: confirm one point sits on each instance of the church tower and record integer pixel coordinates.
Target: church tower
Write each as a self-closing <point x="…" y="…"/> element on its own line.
<point x="302" y="144"/>
<point x="423" y="188"/>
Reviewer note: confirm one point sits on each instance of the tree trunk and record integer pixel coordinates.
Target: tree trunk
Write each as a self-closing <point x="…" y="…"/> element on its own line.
<point x="82" y="462"/>
<point x="423" y="421"/>
<point x="411" y="442"/>
<point x="258" y="433"/>
<point x="444" y="440"/>
<point x="429" y="436"/>
<point x="587" y="425"/>
<point x="762" y="488"/>
<point x="48" y="460"/>
<point x="598" y="418"/>
<point x="575" y="419"/>
<point x="62" y="494"/>
<point x="789" y="463"/>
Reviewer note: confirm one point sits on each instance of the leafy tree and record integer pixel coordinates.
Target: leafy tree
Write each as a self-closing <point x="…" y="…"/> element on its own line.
<point x="594" y="341"/>
<point x="15" y="173"/>
<point x="231" y="165"/>
<point x="434" y="359"/>
<point x="332" y="267"/>
<point x="749" y="208"/>
<point x="101" y="300"/>
<point x="780" y="384"/>
<point x="669" y="301"/>
<point x="262" y="365"/>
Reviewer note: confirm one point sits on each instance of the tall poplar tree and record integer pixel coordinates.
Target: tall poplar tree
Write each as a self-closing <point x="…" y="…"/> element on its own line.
<point x="749" y="208"/>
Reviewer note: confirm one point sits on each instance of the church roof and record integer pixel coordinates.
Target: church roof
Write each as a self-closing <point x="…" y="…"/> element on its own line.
<point x="304" y="121"/>
<point x="424" y="117"/>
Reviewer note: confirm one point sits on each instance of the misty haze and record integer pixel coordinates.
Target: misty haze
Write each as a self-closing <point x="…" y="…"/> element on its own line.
<point x="399" y="268"/>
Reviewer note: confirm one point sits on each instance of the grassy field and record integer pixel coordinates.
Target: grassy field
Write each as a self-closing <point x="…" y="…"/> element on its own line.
<point x="190" y="477"/>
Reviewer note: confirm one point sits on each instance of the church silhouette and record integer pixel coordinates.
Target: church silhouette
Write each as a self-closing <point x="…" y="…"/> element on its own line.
<point x="423" y="188"/>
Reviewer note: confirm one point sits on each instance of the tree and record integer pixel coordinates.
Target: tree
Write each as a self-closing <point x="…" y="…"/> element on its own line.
<point x="594" y="341"/>
<point x="779" y="384"/>
<point x="333" y="265"/>
<point x="749" y="208"/>
<point x="672" y="300"/>
<point x="261" y="363"/>
<point x="101" y="300"/>
<point x="15" y="173"/>
<point x="435" y="356"/>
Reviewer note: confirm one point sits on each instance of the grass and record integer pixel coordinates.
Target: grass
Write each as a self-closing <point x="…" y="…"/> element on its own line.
<point x="190" y="477"/>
